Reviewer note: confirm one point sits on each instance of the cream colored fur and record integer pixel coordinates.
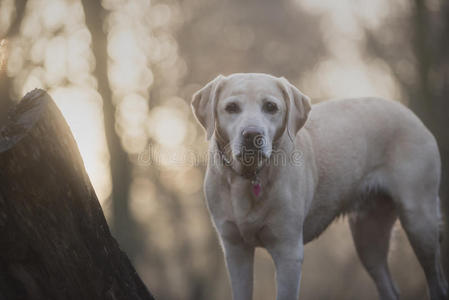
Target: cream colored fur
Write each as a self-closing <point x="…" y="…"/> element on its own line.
<point x="370" y="158"/>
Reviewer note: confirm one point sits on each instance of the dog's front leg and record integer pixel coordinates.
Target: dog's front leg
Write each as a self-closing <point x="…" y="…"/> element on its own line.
<point x="288" y="257"/>
<point x="239" y="261"/>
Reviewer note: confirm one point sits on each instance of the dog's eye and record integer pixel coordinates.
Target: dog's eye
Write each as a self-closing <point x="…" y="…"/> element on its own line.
<point x="232" y="108"/>
<point x="270" y="107"/>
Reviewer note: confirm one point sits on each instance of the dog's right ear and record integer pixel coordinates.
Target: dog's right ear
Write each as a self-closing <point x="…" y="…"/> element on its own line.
<point x="204" y="102"/>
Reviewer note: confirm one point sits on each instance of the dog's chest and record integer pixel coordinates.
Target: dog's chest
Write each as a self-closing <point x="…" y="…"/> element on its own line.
<point x="247" y="211"/>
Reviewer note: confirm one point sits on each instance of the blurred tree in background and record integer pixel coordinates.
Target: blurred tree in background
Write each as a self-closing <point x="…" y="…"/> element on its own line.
<point x="123" y="72"/>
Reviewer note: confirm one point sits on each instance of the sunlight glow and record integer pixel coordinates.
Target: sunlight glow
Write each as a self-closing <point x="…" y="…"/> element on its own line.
<point x="346" y="73"/>
<point x="88" y="131"/>
<point x="54" y="14"/>
<point x="167" y="126"/>
<point x="6" y="14"/>
<point x="132" y="113"/>
<point x="340" y="79"/>
<point x="55" y="61"/>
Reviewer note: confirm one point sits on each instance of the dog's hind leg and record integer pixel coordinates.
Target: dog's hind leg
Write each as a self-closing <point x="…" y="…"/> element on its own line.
<point x="371" y="230"/>
<point x="420" y="219"/>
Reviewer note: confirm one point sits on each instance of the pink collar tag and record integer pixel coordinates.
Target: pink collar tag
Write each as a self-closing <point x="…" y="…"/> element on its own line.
<point x="257" y="189"/>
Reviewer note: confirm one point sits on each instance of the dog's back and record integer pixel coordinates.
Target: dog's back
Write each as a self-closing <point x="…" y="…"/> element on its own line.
<point x="365" y="146"/>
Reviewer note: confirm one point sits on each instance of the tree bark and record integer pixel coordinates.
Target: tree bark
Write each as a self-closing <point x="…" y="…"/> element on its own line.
<point x="54" y="239"/>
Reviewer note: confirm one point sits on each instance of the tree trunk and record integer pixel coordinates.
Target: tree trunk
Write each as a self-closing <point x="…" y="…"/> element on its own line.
<point x="54" y="240"/>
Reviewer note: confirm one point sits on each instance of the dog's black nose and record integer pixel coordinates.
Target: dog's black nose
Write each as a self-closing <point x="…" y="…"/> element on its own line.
<point x="253" y="138"/>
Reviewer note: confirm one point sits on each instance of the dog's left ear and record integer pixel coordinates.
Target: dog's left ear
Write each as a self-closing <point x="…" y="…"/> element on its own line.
<point x="298" y="107"/>
<point x="203" y="105"/>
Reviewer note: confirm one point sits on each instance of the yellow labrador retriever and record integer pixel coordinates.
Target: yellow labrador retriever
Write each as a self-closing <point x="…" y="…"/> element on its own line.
<point x="280" y="171"/>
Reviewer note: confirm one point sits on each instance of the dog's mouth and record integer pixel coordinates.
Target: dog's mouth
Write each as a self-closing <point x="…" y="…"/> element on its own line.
<point x="252" y="151"/>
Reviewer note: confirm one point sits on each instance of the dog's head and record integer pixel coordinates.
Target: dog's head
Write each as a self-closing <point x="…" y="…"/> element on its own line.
<point x="250" y="112"/>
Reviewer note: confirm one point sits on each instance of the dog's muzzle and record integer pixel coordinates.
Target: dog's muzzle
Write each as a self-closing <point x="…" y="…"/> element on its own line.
<point x="254" y="146"/>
